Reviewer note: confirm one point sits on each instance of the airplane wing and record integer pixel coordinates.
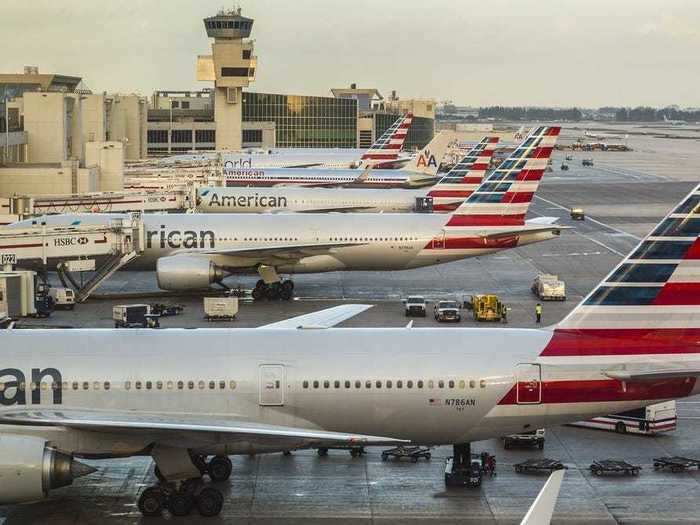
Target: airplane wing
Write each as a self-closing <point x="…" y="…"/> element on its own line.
<point x="281" y="251"/>
<point x="339" y="209"/>
<point x="192" y="428"/>
<point x="541" y="511"/>
<point x="323" y="318"/>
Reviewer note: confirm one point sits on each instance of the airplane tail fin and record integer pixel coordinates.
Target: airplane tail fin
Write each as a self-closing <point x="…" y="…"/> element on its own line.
<point x="504" y="196"/>
<point x="464" y="178"/>
<point x="388" y="146"/>
<point x="656" y="288"/>
<point x="427" y="161"/>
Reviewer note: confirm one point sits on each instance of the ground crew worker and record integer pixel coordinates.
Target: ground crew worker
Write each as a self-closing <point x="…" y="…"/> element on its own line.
<point x="538" y="312"/>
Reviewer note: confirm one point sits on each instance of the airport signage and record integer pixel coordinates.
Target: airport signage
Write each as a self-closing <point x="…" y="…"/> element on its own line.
<point x="8" y="258"/>
<point x="70" y="241"/>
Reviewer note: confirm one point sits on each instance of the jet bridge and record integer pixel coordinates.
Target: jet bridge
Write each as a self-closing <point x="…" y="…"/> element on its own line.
<point x="99" y="249"/>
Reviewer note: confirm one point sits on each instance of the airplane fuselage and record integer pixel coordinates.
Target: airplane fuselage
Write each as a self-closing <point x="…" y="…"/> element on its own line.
<point x="430" y="386"/>
<point x="325" y="177"/>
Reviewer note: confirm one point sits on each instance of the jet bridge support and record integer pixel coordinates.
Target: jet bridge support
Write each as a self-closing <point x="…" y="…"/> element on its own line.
<point x="102" y="249"/>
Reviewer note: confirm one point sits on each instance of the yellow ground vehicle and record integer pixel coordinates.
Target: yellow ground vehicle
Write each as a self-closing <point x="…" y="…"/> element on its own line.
<point x="488" y="308"/>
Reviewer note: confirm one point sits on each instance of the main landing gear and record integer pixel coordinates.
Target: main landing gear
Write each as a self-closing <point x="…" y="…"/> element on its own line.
<point x="180" y="498"/>
<point x="462" y="469"/>
<point x="283" y="290"/>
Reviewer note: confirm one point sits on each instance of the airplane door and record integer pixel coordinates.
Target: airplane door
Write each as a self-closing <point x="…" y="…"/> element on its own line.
<point x="529" y="384"/>
<point x="438" y="242"/>
<point x="272" y="385"/>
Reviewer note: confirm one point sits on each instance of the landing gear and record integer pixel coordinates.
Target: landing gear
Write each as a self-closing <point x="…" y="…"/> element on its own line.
<point x="182" y="500"/>
<point x="274" y="291"/>
<point x="151" y="502"/>
<point x="462" y="470"/>
<point x="209" y="502"/>
<point x="219" y="469"/>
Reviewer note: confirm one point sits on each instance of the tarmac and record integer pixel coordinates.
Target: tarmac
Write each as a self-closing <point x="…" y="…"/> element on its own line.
<point x="624" y="195"/>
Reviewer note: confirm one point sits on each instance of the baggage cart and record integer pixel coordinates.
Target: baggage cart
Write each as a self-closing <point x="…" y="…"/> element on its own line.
<point x="539" y="465"/>
<point x="614" y="466"/>
<point x="676" y="463"/>
<point x="414" y="453"/>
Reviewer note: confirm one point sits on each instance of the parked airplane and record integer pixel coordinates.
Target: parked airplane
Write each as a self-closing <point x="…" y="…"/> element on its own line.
<point x="384" y="153"/>
<point x="447" y="194"/>
<point x="192" y="251"/>
<point x="418" y="172"/>
<point x="117" y="393"/>
<point x="674" y="122"/>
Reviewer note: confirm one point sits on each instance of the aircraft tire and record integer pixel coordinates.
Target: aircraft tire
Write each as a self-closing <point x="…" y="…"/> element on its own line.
<point x="209" y="502"/>
<point x="151" y="502"/>
<point x="219" y="469"/>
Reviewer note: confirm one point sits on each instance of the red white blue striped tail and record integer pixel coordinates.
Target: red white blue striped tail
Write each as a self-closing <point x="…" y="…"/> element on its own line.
<point x="465" y="176"/>
<point x="388" y="146"/>
<point x="504" y="197"/>
<point x="656" y="288"/>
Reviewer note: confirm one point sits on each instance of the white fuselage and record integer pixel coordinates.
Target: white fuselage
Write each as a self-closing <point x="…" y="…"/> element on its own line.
<point x="378" y="241"/>
<point x="384" y="178"/>
<point x="303" y="199"/>
<point x="430" y="386"/>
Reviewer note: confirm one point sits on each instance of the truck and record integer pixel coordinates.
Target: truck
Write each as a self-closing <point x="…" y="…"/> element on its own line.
<point x="487" y="307"/>
<point x="134" y="316"/>
<point x="534" y="438"/>
<point x="548" y="287"/>
<point x="63" y="298"/>
<point x="447" y="311"/>
<point x="587" y="162"/>
<point x="220" y="308"/>
<point x="415" y="306"/>
<point x="649" y="420"/>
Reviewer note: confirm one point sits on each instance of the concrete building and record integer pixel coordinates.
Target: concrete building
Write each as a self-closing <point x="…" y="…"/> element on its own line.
<point x="231" y="67"/>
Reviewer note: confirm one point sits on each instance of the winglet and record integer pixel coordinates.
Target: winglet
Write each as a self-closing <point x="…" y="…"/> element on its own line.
<point x="541" y="511"/>
<point x="321" y="319"/>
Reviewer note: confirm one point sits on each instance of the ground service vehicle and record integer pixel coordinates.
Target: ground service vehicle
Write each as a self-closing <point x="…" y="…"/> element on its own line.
<point x="488" y="308"/>
<point x="415" y="306"/>
<point x="564" y="167"/>
<point x="649" y="420"/>
<point x="525" y="439"/>
<point x="131" y="315"/>
<point x="587" y="162"/>
<point x="445" y="311"/>
<point x="548" y="287"/>
<point x="63" y="298"/>
<point x="577" y="214"/>
<point x="220" y="308"/>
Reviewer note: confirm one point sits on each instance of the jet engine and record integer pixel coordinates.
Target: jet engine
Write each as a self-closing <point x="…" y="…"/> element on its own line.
<point x="187" y="272"/>
<point x="29" y="468"/>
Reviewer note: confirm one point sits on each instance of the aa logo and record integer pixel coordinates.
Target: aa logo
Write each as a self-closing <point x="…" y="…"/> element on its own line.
<point x="427" y="160"/>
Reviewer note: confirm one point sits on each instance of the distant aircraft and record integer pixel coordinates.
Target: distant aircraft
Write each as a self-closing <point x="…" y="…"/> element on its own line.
<point x="674" y="122"/>
<point x="446" y="195"/>
<point x="193" y="251"/>
<point x="519" y="134"/>
<point x="191" y="398"/>
<point x="418" y="172"/>
<point x="605" y="135"/>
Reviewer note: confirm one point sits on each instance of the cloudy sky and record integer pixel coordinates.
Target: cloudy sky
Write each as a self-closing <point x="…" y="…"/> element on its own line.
<point x="510" y="52"/>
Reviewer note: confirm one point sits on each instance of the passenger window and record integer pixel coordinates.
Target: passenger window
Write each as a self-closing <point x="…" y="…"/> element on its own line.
<point x="212" y="385"/>
<point x="222" y="385"/>
<point x="451" y="384"/>
<point x="201" y="385"/>
<point x="409" y="384"/>
<point x="431" y="384"/>
<point x="44" y="386"/>
<point x="149" y="385"/>
<point x="441" y="384"/>
<point x="378" y="384"/>
<point x="472" y="384"/>
<point x="107" y="385"/>
<point x="65" y="385"/>
<point x="420" y="384"/>
<point x="22" y="386"/>
<point x="138" y="385"/>
<point x="368" y="384"/>
<point x="482" y="383"/>
<point x="127" y="385"/>
<point x="399" y="384"/>
<point x="326" y="384"/>
<point x="347" y="384"/>
<point x="315" y="384"/>
<point x="358" y="384"/>
<point x="462" y="384"/>
<point x="86" y="385"/>
<point x="233" y="385"/>
<point x="180" y="385"/>
<point x="95" y="385"/>
<point x="32" y="386"/>
<point x="336" y="384"/>
<point x="388" y="383"/>
<point x="190" y="385"/>
<point x="305" y="384"/>
<point x="159" y="385"/>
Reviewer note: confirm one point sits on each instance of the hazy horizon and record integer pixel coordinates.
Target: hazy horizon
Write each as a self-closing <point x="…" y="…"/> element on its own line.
<point x="547" y="53"/>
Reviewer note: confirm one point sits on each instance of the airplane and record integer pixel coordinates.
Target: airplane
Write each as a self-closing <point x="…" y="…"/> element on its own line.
<point x="193" y="251"/>
<point x="384" y="153"/>
<point x="605" y="135"/>
<point x="184" y="396"/>
<point x="519" y="134"/>
<point x="446" y="195"/>
<point x="417" y="172"/>
<point x="674" y="122"/>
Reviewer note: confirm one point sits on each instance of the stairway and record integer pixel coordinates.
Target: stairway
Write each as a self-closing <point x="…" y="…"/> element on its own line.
<point x="104" y="272"/>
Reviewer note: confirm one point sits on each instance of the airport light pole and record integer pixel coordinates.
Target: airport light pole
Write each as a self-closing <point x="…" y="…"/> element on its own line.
<point x="7" y="129"/>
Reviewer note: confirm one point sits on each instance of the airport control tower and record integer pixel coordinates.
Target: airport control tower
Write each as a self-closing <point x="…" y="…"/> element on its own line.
<point x="231" y="67"/>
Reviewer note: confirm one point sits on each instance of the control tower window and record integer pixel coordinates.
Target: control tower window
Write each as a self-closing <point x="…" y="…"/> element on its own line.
<point x="234" y="71"/>
<point x="236" y="24"/>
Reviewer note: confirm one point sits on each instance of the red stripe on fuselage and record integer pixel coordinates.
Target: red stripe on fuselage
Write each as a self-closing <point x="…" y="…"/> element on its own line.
<point x="474" y="243"/>
<point x="487" y="220"/>
<point x="623" y="341"/>
<point x="606" y="390"/>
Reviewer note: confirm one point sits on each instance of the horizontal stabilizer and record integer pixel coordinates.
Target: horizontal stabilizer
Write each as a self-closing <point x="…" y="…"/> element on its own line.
<point x="652" y="375"/>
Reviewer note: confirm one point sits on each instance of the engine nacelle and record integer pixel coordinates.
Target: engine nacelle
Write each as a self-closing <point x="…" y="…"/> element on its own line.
<point x="186" y="272"/>
<point x="29" y="468"/>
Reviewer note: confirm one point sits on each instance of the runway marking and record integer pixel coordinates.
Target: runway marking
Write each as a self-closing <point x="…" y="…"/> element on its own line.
<point x="627" y="234"/>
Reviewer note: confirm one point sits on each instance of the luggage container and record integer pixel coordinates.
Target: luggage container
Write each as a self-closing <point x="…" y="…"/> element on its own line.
<point x="220" y="308"/>
<point x="131" y="315"/>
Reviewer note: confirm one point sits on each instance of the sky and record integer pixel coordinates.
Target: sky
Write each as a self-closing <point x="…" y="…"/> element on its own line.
<point x="586" y="53"/>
